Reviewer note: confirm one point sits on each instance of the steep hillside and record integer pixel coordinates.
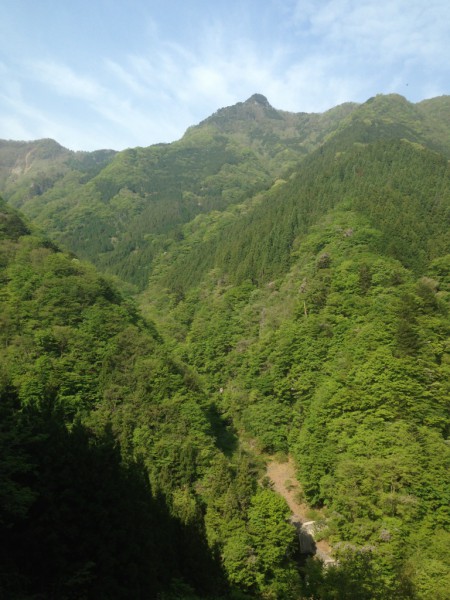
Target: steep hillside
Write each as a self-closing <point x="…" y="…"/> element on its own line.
<point x="30" y="169"/>
<point x="393" y="117"/>
<point x="401" y="188"/>
<point x="83" y="382"/>
<point x="318" y="316"/>
<point x="278" y="137"/>
<point x="123" y="217"/>
<point x="118" y="475"/>
<point x="296" y="268"/>
<point x="343" y="361"/>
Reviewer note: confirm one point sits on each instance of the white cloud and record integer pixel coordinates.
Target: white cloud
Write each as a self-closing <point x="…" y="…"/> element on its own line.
<point x="13" y="128"/>
<point x="65" y="81"/>
<point x="112" y="103"/>
<point x="383" y="31"/>
<point x="373" y="46"/>
<point x="19" y="108"/>
<point x="313" y="55"/>
<point x="125" y="77"/>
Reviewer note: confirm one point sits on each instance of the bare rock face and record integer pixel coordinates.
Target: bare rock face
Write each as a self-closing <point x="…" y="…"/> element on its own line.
<point x="258" y="99"/>
<point x="305" y="531"/>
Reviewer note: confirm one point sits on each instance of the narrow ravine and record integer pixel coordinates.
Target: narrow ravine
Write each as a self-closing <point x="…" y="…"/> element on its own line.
<point x="282" y="475"/>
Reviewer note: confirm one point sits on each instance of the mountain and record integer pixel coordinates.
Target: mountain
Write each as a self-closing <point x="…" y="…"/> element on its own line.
<point x="317" y="313"/>
<point x="119" y="477"/>
<point x="29" y="169"/>
<point x="120" y="210"/>
<point x="103" y="437"/>
<point x="294" y="277"/>
<point x="393" y="117"/>
<point x="120" y="215"/>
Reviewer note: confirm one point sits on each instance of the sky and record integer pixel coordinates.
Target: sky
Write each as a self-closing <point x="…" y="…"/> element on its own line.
<point x="97" y="74"/>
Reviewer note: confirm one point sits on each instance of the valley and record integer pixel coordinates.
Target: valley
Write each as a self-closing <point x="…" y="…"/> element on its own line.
<point x="283" y="477"/>
<point x="274" y="285"/>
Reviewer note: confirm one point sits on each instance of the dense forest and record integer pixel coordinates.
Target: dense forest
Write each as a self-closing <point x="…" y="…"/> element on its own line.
<point x="272" y="285"/>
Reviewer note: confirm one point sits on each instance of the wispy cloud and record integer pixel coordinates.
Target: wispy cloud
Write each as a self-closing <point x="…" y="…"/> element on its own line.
<point x="125" y="77"/>
<point x="18" y="114"/>
<point x="305" y="55"/>
<point x="368" y="46"/>
<point x="111" y="102"/>
<point x="65" y="81"/>
<point x="384" y="32"/>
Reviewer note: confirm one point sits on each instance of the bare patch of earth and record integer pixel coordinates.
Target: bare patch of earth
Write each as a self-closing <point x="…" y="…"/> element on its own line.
<point x="284" y="480"/>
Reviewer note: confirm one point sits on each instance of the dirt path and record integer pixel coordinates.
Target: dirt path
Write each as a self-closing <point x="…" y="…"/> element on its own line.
<point x="282" y="475"/>
<point x="285" y="483"/>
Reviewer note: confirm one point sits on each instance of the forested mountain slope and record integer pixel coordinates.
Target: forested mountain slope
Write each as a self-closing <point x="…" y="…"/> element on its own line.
<point x="124" y="216"/>
<point x="120" y="211"/>
<point x="345" y="362"/>
<point x="320" y="311"/>
<point x="30" y="169"/>
<point x="77" y="518"/>
<point x="110" y="452"/>
<point x="121" y="218"/>
<point x="297" y="269"/>
<point x="402" y="189"/>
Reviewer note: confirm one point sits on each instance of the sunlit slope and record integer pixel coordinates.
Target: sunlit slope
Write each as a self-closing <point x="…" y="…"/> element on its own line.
<point x="401" y="188"/>
<point x="317" y="315"/>
<point x="123" y="216"/>
<point x="122" y="210"/>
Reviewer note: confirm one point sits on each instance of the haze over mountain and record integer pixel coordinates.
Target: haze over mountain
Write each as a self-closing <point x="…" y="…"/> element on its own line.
<point x="120" y="210"/>
<point x="292" y="271"/>
<point x="114" y="75"/>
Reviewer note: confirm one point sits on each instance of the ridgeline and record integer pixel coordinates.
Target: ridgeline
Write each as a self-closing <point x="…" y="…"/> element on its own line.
<point x="271" y="284"/>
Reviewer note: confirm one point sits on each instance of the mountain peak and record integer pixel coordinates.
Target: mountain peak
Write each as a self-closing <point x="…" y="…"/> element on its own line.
<point x="258" y="99"/>
<point x="255" y="108"/>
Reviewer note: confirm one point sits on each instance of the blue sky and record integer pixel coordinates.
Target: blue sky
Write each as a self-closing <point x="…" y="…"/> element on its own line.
<point x="121" y="73"/>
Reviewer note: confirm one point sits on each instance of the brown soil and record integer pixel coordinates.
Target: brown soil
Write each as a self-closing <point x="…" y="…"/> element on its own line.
<point x="285" y="483"/>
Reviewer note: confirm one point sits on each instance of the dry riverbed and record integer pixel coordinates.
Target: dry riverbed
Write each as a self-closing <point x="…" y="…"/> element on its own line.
<point x="282" y="475"/>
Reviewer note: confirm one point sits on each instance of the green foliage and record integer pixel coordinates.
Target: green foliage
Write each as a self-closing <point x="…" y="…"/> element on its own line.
<point x="83" y="375"/>
<point x="112" y="208"/>
<point x="392" y="183"/>
<point x="356" y="576"/>
<point x="273" y="536"/>
<point x="257" y="554"/>
<point x="342" y="359"/>
<point x="308" y="317"/>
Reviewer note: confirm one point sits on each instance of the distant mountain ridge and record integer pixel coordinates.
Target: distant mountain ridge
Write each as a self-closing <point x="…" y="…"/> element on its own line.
<point x="296" y="268"/>
<point x="30" y="169"/>
<point x="317" y="313"/>
<point x="119" y="210"/>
